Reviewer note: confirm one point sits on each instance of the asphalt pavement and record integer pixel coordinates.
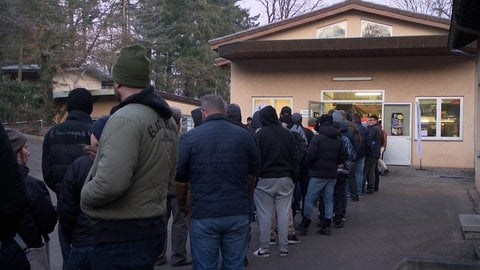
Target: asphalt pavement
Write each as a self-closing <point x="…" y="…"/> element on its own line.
<point x="412" y="219"/>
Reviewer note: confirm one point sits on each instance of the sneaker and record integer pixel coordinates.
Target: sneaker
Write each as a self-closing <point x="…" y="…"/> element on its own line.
<point x="272" y="241"/>
<point x="262" y="253"/>
<point x="283" y="253"/>
<point x="160" y="261"/>
<point x="292" y="239"/>
<point x="182" y="263"/>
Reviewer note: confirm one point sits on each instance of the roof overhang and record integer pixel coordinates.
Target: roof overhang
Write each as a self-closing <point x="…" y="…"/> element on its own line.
<point x="465" y="25"/>
<point x="345" y="47"/>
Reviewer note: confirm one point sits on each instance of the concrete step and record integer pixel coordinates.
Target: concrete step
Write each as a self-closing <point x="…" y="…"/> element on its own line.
<point x="470" y="225"/>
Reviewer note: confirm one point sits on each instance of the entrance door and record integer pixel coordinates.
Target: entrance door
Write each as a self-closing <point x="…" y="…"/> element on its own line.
<point x="397" y="119"/>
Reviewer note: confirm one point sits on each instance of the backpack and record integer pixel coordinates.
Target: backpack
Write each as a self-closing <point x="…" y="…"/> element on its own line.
<point x="348" y="167"/>
<point x="300" y="143"/>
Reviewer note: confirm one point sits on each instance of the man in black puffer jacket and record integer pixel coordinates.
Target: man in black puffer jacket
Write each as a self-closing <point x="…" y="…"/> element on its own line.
<point x="324" y="154"/>
<point x="64" y="143"/>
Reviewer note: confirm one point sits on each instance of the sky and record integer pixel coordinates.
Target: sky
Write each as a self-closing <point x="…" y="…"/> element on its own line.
<point x="256" y="8"/>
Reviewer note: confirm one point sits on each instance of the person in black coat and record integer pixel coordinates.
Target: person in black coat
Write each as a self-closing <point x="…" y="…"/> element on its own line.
<point x="64" y="143"/>
<point x="13" y="194"/>
<point x="324" y="154"/>
<point x="39" y="218"/>
<point x="77" y="228"/>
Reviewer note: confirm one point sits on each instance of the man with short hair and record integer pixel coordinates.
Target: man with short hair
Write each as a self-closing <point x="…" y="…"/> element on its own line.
<point x="126" y="189"/>
<point x="216" y="159"/>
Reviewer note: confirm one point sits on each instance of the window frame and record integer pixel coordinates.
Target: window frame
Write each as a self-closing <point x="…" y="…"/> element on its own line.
<point x="438" y="119"/>
<point x="364" y="23"/>
<point x="271" y="102"/>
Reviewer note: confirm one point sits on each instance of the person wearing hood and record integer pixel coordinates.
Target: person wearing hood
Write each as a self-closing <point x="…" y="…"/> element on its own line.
<point x="197" y="117"/>
<point x="346" y="173"/>
<point x="279" y="164"/>
<point x="125" y="191"/>
<point x="38" y="220"/>
<point x="324" y="154"/>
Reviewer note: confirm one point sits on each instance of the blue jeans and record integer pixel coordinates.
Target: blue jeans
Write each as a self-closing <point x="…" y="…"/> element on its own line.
<point x="359" y="165"/>
<point x="64" y="247"/>
<point x="140" y="254"/>
<point x="226" y="235"/>
<point x="316" y="187"/>
<point x="80" y="258"/>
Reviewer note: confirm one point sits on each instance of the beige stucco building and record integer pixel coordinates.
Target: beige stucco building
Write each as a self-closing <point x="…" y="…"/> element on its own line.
<point x="363" y="58"/>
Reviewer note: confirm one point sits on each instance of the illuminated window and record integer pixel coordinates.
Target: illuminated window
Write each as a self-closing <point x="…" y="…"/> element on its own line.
<point x="441" y="117"/>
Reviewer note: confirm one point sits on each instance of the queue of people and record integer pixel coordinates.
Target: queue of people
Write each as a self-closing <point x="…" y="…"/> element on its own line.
<point x="119" y="179"/>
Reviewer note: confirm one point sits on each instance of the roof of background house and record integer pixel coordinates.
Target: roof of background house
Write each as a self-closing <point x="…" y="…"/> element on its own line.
<point x="330" y="11"/>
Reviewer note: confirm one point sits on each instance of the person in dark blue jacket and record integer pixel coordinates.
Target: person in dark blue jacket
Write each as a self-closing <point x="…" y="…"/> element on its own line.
<point x="216" y="159"/>
<point x="77" y="228"/>
<point x="39" y="218"/>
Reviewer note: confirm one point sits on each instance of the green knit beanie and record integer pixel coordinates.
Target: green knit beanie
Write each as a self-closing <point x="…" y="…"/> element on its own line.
<point x="132" y="67"/>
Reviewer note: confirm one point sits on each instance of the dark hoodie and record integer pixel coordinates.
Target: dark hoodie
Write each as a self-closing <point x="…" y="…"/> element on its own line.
<point x="279" y="155"/>
<point x="234" y="115"/>
<point x="325" y="153"/>
<point x="197" y="117"/>
<point x="149" y="98"/>
<point x="256" y="124"/>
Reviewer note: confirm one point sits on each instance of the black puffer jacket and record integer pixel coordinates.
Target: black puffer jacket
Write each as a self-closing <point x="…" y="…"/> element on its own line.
<point x="77" y="229"/>
<point x="325" y="153"/>
<point x="62" y="145"/>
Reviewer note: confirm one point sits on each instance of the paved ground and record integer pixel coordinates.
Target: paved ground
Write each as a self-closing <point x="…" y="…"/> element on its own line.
<point x="413" y="216"/>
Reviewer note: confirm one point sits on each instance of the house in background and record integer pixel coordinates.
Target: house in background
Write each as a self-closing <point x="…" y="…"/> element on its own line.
<point x="100" y="86"/>
<point x="363" y="58"/>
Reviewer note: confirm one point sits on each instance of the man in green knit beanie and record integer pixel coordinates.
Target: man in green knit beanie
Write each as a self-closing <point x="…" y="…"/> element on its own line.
<point x="125" y="191"/>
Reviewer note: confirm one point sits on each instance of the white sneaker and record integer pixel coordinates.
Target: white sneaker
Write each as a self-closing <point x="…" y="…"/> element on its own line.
<point x="262" y="253"/>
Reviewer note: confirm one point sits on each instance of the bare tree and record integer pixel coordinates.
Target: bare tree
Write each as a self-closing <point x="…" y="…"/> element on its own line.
<point x="277" y="10"/>
<point x="439" y="8"/>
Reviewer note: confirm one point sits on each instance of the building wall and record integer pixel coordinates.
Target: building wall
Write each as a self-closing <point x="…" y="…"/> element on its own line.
<point x="400" y="28"/>
<point x="103" y="104"/>
<point x="402" y="78"/>
<point x="71" y="80"/>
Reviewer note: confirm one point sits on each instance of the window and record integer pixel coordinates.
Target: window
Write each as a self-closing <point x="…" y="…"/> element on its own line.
<point x="441" y="117"/>
<point x="336" y="30"/>
<point x="276" y="102"/>
<point x="373" y="29"/>
<point x="364" y="102"/>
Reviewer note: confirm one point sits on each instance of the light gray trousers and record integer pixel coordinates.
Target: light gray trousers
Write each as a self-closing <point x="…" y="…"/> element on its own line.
<point x="273" y="194"/>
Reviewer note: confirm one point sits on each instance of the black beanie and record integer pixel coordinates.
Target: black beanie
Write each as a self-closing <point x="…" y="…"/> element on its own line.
<point x="80" y="99"/>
